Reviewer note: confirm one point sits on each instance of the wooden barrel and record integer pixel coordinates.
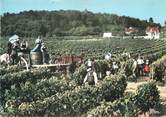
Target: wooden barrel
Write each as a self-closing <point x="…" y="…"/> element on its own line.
<point x="36" y="58"/>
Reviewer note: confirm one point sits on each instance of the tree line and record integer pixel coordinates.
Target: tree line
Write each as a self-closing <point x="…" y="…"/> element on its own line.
<point x="67" y="22"/>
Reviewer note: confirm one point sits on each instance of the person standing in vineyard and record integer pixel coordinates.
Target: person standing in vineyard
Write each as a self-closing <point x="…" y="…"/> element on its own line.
<point x="159" y="72"/>
<point x="91" y="77"/>
<point x="38" y="43"/>
<point x="146" y="67"/>
<point x="115" y="68"/>
<point x="134" y="69"/>
<point x="9" y="50"/>
<point x="24" y="46"/>
<point x="13" y="48"/>
<point x="140" y="63"/>
<point x="45" y="54"/>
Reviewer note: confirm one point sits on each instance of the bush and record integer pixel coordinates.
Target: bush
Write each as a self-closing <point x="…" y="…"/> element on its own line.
<point x="78" y="101"/>
<point x="147" y="96"/>
<point x="101" y="66"/>
<point x="44" y="88"/>
<point x="128" y="67"/>
<point x="158" y="69"/>
<point x="10" y="69"/>
<point x="11" y="83"/>
<point x="17" y="99"/>
<point x="80" y="74"/>
<point x="22" y="76"/>
<point x="119" y="108"/>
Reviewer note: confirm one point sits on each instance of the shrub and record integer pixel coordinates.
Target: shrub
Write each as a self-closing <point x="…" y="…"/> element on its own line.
<point x="128" y="67"/>
<point x="78" y="101"/>
<point x="147" y="96"/>
<point x="14" y="81"/>
<point x="158" y="69"/>
<point x="10" y="69"/>
<point x="101" y="66"/>
<point x="80" y="74"/>
<point x="123" y="107"/>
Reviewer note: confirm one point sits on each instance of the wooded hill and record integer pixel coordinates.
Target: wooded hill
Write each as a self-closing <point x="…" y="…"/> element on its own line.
<point x="64" y="23"/>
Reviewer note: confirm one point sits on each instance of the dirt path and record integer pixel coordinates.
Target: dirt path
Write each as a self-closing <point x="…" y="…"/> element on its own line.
<point x="131" y="87"/>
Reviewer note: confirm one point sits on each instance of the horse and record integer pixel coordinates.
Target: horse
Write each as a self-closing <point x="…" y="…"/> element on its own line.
<point x="5" y="59"/>
<point x="73" y="61"/>
<point x="68" y="60"/>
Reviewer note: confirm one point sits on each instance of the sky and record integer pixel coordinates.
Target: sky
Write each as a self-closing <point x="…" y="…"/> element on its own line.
<point x="142" y="9"/>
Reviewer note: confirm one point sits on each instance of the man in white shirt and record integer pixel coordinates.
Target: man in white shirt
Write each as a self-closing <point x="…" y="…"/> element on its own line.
<point x="115" y="67"/>
<point x="140" y="63"/>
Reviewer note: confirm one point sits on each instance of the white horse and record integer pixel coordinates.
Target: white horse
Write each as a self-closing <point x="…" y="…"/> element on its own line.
<point x="5" y="59"/>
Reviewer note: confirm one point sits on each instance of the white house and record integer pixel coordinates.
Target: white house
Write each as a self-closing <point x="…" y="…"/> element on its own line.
<point x="152" y="32"/>
<point x="107" y="35"/>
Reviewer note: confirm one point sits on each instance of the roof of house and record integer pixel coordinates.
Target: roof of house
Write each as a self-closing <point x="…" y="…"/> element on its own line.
<point x="152" y="29"/>
<point x="131" y="29"/>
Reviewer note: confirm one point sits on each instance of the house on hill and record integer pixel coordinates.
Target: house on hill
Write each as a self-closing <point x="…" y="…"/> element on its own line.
<point x="152" y="32"/>
<point x="131" y="30"/>
<point x="107" y="35"/>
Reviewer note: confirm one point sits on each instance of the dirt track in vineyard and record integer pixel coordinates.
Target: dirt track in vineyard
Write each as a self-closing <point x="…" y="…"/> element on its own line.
<point x="132" y="86"/>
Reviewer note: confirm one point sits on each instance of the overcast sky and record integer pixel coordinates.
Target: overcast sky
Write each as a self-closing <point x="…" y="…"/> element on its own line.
<point x="143" y="9"/>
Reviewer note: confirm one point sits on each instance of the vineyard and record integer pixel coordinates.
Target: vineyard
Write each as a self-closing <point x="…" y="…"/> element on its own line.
<point x="98" y="47"/>
<point x="40" y="92"/>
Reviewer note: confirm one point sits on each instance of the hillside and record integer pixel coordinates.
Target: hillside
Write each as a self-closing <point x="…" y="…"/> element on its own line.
<point x="64" y="23"/>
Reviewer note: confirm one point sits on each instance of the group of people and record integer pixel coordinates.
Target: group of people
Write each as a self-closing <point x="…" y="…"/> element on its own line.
<point x="18" y="48"/>
<point x="92" y="77"/>
<point x="140" y="67"/>
<point x="14" y="46"/>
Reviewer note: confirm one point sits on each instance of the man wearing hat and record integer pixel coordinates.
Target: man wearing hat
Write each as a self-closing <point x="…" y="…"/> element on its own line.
<point x="38" y="43"/>
<point x="45" y="54"/>
<point x="91" y="77"/>
<point x="13" y="47"/>
<point x="14" y="39"/>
